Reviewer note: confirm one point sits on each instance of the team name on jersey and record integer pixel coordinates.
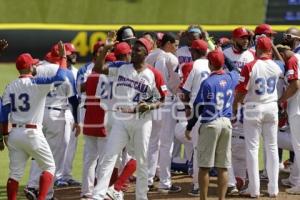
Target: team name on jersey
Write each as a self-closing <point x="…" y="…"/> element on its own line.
<point x="239" y="64"/>
<point x="139" y="86"/>
<point x="184" y="59"/>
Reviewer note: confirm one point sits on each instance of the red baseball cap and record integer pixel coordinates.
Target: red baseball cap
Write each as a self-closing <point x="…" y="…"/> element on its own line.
<point x="146" y="43"/>
<point x="122" y="48"/>
<point x="110" y="57"/>
<point x="264" y="29"/>
<point x="216" y="58"/>
<point x="240" y="32"/>
<point x="199" y="45"/>
<point x="97" y="45"/>
<point x="70" y="48"/>
<point x="25" y="61"/>
<point x="264" y="43"/>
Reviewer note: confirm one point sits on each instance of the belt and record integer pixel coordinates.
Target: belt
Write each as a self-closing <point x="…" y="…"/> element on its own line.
<point x="51" y="108"/>
<point x="33" y="126"/>
<point x="239" y="137"/>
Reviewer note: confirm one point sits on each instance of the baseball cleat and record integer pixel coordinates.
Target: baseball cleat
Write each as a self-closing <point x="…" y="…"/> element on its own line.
<point x="294" y="190"/>
<point x="31" y="193"/>
<point x="286" y="182"/>
<point x="232" y="191"/>
<point x="194" y="192"/>
<point x="246" y="193"/>
<point x="72" y="182"/>
<point x="61" y="183"/>
<point x="114" y="194"/>
<point x="172" y="189"/>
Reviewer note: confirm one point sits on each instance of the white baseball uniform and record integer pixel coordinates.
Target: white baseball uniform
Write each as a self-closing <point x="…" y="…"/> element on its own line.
<point x="152" y="57"/>
<point x="292" y="73"/>
<point x="54" y="121"/>
<point x="130" y="88"/>
<point x="235" y="59"/>
<point x="199" y="72"/>
<point x="259" y="79"/>
<point x="167" y="64"/>
<point x="27" y="97"/>
<point x="184" y="55"/>
<point x="94" y="130"/>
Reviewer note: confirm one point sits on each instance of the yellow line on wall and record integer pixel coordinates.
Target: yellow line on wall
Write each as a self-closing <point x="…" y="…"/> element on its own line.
<point x="95" y="27"/>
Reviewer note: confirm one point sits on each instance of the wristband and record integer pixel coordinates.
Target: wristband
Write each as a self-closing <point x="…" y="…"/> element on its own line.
<point x="149" y="107"/>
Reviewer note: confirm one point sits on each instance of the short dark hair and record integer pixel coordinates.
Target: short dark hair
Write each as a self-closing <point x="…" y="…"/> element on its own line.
<point x="152" y="34"/>
<point x="168" y="37"/>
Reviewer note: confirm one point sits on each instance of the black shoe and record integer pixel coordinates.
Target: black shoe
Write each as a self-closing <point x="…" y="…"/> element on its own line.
<point x="172" y="189"/>
<point x="31" y="193"/>
<point x="152" y="188"/>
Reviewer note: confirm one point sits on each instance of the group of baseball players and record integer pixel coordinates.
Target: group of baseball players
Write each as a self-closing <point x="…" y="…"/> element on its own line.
<point x="139" y="99"/>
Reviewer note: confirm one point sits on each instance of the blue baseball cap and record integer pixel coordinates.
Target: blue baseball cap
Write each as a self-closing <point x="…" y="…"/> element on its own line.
<point x="194" y="30"/>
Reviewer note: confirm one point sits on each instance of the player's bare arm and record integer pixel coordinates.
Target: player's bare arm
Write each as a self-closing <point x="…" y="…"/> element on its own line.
<point x="239" y="98"/>
<point x="294" y="86"/>
<point x="100" y="66"/>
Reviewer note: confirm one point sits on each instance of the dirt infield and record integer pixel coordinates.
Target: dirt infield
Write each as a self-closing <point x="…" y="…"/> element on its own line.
<point x="185" y="182"/>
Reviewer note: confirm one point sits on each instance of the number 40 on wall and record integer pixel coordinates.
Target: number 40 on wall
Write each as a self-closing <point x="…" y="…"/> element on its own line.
<point x="84" y="42"/>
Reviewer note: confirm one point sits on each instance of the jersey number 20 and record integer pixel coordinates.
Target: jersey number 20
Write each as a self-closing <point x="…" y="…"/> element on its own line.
<point x="24" y="98"/>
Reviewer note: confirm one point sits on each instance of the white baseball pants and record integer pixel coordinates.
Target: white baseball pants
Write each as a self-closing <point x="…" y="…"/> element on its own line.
<point x="262" y="119"/>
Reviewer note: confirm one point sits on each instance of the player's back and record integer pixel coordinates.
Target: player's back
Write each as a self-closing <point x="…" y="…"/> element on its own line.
<point x="218" y="101"/>
<point x="152" y="57"/>
<point x="27" y="99"/>
<point x="57" y="98"/>
<point x="200" y="72"/>
<point x="263" y="78"/>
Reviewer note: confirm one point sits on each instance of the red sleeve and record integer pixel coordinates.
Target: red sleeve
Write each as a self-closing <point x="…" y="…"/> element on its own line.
<point x="186" y="69"/>
<point x="245" y="77"/>
<point x="159" y="81"/>
<point x="91" y="84"/>
<point x="292" y="68"/>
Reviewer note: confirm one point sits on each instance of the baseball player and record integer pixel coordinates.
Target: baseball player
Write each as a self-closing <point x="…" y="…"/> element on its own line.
<point x="200" y="71"/>
<point x="257" y="89"/>
<point x="3" y="46"/>
<point x="291" y="95"/>
<point x="24" y="99"/>
<point x="213" y="103"/>
<point x="82" y="75"/>
<point x="135" y="85"/>
<point x="57" y="102"/>
<point x="98" y="88"/>
<point x="70" y="134"/>
<point x="167" y="64"/>
<point x="237" y="56"/>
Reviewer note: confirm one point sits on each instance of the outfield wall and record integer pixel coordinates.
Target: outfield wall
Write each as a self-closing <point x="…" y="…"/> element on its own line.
<point x="37" y="39"/>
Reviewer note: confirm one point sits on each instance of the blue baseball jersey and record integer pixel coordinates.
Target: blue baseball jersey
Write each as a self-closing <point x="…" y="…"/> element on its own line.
<point x="215" y="97"/>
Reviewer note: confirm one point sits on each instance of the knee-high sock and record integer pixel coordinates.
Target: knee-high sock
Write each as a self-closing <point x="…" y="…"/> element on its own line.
<point x="12" y="189"/>
<point x="128" y="170"/>
<point x="46" y="179"/>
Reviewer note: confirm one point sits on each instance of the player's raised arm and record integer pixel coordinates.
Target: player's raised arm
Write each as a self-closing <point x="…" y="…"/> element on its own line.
<point x="100" y="65"/>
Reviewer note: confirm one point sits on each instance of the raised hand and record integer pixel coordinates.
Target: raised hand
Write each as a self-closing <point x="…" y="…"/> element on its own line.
<point x="61" y="49"/>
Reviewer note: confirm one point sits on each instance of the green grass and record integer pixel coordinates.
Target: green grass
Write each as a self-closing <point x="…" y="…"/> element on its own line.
<point x="133" y="11"/>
